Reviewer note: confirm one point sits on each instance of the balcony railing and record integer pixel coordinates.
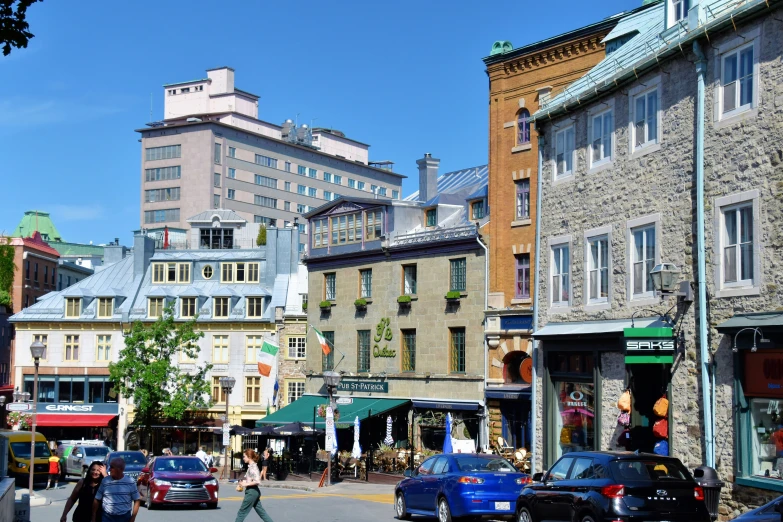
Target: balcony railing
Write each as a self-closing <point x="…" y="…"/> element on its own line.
<point x="429" y="236"/>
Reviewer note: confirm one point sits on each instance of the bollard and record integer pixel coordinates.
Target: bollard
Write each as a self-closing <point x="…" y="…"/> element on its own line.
<point x="707" y="478"/>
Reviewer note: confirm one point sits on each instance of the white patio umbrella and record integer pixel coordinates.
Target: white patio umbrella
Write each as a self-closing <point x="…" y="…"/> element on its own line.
<point x="388" y="440"/>
<point x="356" y="452"/>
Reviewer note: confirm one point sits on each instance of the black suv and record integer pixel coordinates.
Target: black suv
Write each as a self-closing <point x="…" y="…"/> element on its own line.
<point x="598" y="486"/>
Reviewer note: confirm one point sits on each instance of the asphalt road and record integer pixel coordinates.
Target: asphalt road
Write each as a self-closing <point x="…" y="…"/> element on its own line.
<point x="283" y="505"/>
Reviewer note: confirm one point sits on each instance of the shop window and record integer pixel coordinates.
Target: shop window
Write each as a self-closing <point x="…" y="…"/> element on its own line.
<point x="766" y="439"/>
<point x="100" y="390"/>
<point x="71" y="389"/>
<point x="574" y="422"/>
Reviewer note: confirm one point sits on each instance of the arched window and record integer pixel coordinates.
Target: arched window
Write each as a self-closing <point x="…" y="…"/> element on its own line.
<point x="523" y="127"/>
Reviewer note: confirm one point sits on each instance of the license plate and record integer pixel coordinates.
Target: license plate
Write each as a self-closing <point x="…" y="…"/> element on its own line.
<point x="505" y="506"/>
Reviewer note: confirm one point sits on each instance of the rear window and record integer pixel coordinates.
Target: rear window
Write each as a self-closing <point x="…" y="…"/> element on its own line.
<point x="648" y="470"/>
<point x="472" y="464"/>
<point x="130" y="457"/>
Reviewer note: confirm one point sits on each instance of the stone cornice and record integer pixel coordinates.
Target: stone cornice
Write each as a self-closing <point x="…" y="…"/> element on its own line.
<point x="560" y="53"/>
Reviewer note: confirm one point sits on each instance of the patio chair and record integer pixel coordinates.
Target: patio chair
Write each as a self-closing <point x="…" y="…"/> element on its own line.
<point x="504" y="449"/>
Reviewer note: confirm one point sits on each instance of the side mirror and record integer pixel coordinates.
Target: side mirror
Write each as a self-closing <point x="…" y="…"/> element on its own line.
<point x="145" y="470"/>
<point x="538" y="477"/>
<point x="408" y="473"/>
<point x="213" y="470"/>
<point x="79" y="455"/>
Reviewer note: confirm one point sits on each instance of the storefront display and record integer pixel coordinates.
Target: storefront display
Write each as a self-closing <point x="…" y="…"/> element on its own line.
<point x="575" y="421"/>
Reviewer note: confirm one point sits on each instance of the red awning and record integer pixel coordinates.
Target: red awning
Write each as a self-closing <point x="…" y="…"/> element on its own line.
<point x="73" y="419"/>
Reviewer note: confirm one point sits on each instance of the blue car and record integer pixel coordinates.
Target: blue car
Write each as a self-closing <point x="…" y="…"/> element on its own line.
<point x="460" y="485"/>
<point x="766" y="513"/>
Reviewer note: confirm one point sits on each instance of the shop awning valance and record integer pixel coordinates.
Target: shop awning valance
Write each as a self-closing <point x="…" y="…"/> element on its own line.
<point x="73" y="420"/>
<point x="614" y="327"/>
<point x="508" y="393"/>
<point x="301" y="410"/>
<point x="445" y="405"/>
<point x="769" y="320"/>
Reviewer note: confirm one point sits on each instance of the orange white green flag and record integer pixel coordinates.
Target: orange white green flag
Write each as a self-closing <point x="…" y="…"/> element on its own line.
<point x="267" y="358"/>
<point x="322" y="340"/>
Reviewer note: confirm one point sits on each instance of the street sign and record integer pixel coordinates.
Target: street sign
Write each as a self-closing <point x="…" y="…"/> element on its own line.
<point x="330" y="432"/>
<point x="344" y="401"/>
<point x="19" y="406"/>
<point x="226" y="438"/>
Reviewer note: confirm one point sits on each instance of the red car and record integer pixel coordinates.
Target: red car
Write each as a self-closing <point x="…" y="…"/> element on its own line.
<point x="178" y="480"/>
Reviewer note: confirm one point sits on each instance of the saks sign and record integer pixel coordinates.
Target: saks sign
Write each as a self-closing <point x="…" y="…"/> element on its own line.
<point x="665" y="345"/>
<point x="96" y="408"/>
<point x="649" y="341"/>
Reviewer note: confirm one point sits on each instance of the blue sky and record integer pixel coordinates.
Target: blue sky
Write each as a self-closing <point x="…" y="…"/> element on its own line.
<point x="405" y="77"/>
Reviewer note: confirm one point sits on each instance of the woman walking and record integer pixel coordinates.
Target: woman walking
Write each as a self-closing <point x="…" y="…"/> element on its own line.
<point x="84" y="492"/>
<point x="264" y="463"/>
<point x="252" y="498"/>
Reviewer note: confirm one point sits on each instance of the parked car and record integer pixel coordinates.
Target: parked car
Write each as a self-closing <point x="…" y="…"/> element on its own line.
<point x="769" y="512"/>
<point x="597" y="486"/>
<point x="135" y="461"/>
<point x="178" y="480"/>
<point x="459" y="484"/>
<point x="19" y="443"/>
<point x="76" y="456"/>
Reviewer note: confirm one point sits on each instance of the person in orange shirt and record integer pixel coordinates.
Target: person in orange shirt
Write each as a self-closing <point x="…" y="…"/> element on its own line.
<point x="54" y="471"/>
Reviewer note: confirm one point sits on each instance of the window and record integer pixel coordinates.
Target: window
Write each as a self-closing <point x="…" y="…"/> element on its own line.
<point x="680" y="9"/>
<point x="301" y="189"/>
<point x="458" y="275"/>
<point x="170" y="273"/>
<point x="163" y="173"/>
<point x="105" y="307"/>
<point x="374" y="224"/>
<point x="382" y="191"/>
<point x="287" y="186"/>
<point x="231" y="194"/>
<point x="523" y="127"/>
<point x="103" y="348"/>
<point x="327" y="195"/>
<point x="598" y="269"/>
<point x="645" y="127"/>
<point x="35" y="272"/>
<point x="27" y="270"/>
<point x="560" y="470"/>
<point x="218" y="153"/>
<point x="253" y="343"/>
<point x="351" y="183"/>
<point x="187" y="307"/>
<point x="737" y="245"/>
<point x="166" y="152"/>
<point x="312" y="173"/>
<point x="601" y="136"/>
<point x="522" y="276"/>
<point x="265" y="181"/>
<point x="71" y="347"/>
<point x="165" y="215"/>
<point x="255" y="306"/>
<point x="327" y="361"/>
<point x="165" y="194"/>
<point x="365" y="287"/>
<point x="330" y="291"/>
<point x="302" y="170"/>
<point x="73" y="306"/>
<point x="239" y="272"/>
<point x="523" y="199"/>
<point x="338" y="180"/>
<point x="737" y="82"/>
<point x="219" y="348"/>
<point x="295" y="390"/>
<point x="457" y="348"/>
<point x="328" y="176"/>
<point x="312" y="192"/>
<point x="409" y="280"/>
<point x="642" y="259"/>
<point x="301" y="209"/>
<point x="216" y="200"/>
<point x="297" y="347"/>
<point x="564" y="152"/>
<point x="207" y="272"/>
<point x="265" y="201"/>
<point x="252" y="390"/>
<point x="288" y="166"/>
<point x="287" y="206"/>
<point x="363" y="351"/>
<point x="232" y="152"/>
<point x="320" y="232"/>
<point x="477" y="210"/>
<point x="408" y="350"/>
<point x="268" y="222"/>
<point x="155" y="307"/>
<point x="44" y="339"/>
<point x="561" y="270"/>
<point x="218" y="393"/>
<point x="221" y="306"/>
<point x="216" y="179"/>
<point x="46" y="275"/>
<point x="266" y="161"/>
<point x="360" y="185"/>
<point x="216" y="238"/>
<point x="395" y="194"/>
<point x="431" y="216"/>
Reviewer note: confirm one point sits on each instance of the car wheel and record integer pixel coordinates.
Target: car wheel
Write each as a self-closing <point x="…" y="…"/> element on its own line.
<point x="400" y="508"/>
<point x="212" y="505"/>
<point x="523" y="515"/>
<point x="587" y="518"/>
<point x="148" y="500"/>
<point x="444" y="513"/>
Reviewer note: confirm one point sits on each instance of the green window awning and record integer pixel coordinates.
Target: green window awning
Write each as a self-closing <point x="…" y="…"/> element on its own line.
<point x="302" y="409"/>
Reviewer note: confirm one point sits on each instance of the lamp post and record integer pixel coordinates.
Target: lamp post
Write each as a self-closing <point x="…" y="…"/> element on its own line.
<point x="2" y="407"/>
<point x="227" y="384"/>
<point x="331" y="379"/>
<point x="37" y="350"/>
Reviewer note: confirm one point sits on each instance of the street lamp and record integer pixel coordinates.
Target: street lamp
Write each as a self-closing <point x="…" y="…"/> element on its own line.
<point x="226" y="384"/>
<point x="3" y="398"/>
<point x="664" y="278"/>
<point x="331" y="379"/>
<point x="37" y="350"/>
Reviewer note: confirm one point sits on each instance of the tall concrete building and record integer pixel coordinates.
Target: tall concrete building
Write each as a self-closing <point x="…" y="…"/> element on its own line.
<point x="212" y="151"/>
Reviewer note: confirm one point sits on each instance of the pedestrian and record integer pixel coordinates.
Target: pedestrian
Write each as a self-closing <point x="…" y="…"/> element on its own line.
<point x="166" y="452"/>
<point x="146" y="455"/>
<point x="264" y="464"/>
<point x="84" y="493"/>
<point x="202" y="455"/>
<point x="117" y="497"/>
<point x="54" y="471"/>
<point x="252" y="498"/>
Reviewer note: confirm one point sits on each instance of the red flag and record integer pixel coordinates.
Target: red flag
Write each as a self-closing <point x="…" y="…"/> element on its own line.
<point x="165" y="237"/>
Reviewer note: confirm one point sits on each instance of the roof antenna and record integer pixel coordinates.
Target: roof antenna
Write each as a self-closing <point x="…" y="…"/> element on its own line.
<point x="150" y="106"/>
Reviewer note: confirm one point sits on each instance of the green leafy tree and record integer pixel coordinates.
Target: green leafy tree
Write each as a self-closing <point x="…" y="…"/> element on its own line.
<point x="13" y="24"/>
<point x="261" y="239"/>
<point x="7" y="269"/>
<point x="147" y="370"/>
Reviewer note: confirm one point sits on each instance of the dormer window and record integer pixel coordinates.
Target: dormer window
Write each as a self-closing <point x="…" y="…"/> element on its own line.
<point x="155" y="307"/>
<point x="73" y="307"/>
<point x="239" y="272"/>
<point x="172" y="273"/>
<point x="187" y="307"/>
<point x="680" y="9"/>
<point x="105" y="307"/>
<point x="255" y="306"/>
<point x="477" y="210"/>
<point x="431" y="217"/>
<point x="221" y="307"/>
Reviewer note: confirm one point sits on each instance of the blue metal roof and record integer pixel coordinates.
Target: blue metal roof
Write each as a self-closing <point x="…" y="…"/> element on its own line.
<point x="454" y="182"/>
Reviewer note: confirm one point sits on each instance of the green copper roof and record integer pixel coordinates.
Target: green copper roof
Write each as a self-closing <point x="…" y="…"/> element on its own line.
<point x="76" y="249"/>
<point x="36" y="220"/>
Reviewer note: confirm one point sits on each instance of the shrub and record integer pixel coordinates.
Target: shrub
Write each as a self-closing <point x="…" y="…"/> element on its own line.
<point x="325" y="305"/>
<point x="404" y="299"/>
<point x="304" y="306"/>
<point x="261" y="239"/>
<point x="360" y="303"/>
<point x="453" y="295"/>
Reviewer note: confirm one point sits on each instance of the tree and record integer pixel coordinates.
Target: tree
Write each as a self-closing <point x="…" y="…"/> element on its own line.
<point x="261" y="239"/>
<point x="7" y="268"/>
<point x="13" y="24"/>
<point x="148" y="373"/>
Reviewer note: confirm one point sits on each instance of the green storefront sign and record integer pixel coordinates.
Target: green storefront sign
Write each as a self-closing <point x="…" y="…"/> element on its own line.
<point x="649" y="345"/>
<point x="363" y="386"/>
<point x="383" y="332"/>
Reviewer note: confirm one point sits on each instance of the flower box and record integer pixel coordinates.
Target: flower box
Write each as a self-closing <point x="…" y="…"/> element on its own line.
<point x="404" y="300"/>
<point x="325" y="306"/>
<point x="453" y="295"/>
<point x="360" y="303"/>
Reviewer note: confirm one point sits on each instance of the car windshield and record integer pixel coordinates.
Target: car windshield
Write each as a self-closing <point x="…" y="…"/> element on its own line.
<point x="96" y="451"/>
<point x="175" y="464"/>
<point x="22" y="450"/>
<point x="473" y="464"/>
<point x="130" y="458"/>
<point x="648" y="470"/>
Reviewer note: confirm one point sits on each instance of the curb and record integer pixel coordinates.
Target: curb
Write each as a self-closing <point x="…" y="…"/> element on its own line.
<point x="293" y="486"/>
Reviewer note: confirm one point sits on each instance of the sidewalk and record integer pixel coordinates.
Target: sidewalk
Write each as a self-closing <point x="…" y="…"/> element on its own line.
<point x="37" y="500"/>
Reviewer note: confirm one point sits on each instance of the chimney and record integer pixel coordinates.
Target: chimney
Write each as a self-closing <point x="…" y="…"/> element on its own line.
<point x="114" y="253"/>
<point x="143" y="248"/>
<point x="428" y="177"/>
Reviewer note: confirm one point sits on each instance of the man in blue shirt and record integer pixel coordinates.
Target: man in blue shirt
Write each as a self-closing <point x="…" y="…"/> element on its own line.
<point x="117" y="497"/>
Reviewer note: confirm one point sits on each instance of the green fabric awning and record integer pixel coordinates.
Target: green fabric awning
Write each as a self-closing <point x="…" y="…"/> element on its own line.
<point x="302" y="409"/>
<point x="770" y="320"/>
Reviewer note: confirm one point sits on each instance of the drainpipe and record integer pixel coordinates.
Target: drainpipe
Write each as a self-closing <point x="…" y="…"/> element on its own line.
<point x="534" y="393"/>
<point x="704" y="348"/>
<point x="485" y="424"/>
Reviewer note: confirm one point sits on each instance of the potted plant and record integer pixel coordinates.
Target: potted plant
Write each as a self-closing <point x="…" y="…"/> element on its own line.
<point x="404" y="300"/>
<point x="325" y="306"/>
<point x="304" y="306"/>
<point x="453" y="295"/>
<point x="361" y="303"/>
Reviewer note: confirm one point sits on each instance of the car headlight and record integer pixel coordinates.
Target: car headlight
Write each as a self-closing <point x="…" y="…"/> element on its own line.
<point x="211" y="482"/>
<point x="159" y="482"/>
<point x="21" y="465"/>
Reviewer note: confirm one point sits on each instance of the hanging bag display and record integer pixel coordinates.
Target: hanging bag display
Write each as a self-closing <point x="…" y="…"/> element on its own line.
<point x="661" y="429"/>
<point x="565" y="435"/>
<point x="624" y="440"/>
<point x="661" y="407"/>
<point x="661" y="448"/>
<point x="624" y="403"/>
<point x="624" y="419"/>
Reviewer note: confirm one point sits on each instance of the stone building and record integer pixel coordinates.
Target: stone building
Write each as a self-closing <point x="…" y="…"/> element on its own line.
<point x="520" y="81"/>
<point x="667" y="148"/>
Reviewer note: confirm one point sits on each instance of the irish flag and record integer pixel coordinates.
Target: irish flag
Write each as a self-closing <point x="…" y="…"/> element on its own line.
<point x="322" y="340"/>
<point x="267" y="357"/>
